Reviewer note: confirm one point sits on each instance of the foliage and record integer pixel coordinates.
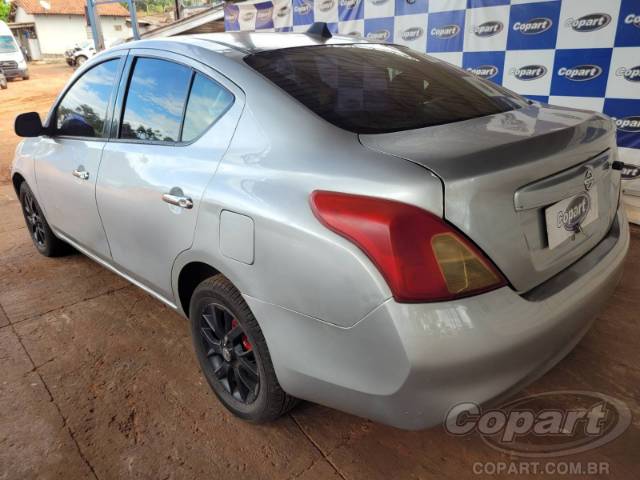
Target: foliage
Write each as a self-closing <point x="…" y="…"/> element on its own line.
<point x="5" y="9"/>
<point x="154" y="6"/>
<point x="149" y="7"/>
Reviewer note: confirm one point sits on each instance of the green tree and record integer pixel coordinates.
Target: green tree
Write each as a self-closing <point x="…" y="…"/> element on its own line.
<point x="5" y="8"/>
<point x="153" y="6"/>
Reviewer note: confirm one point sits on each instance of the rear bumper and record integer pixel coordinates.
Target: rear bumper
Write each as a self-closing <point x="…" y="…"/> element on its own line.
<point x="407" y="364"/>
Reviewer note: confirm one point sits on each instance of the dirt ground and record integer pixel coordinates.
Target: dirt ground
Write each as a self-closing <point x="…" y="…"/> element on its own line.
<point x="98" y="379"/>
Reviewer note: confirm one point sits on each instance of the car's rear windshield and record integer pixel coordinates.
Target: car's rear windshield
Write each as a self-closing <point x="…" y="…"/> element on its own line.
<point x="373" y="88"/>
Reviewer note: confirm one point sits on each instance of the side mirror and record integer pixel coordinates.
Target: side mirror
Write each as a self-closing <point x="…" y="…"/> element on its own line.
<point x="28" y="125"/>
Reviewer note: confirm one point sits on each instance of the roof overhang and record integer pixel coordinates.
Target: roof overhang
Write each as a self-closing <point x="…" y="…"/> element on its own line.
<point x="188" y="23"/>
<point x="19" y="25"/>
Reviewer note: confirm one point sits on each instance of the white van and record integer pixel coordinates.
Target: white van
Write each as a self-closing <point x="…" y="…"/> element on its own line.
<point x="12" y="62"/>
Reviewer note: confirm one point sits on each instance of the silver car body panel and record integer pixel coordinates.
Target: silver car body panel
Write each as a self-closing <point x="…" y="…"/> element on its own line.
<point x="314" y="290"/>
<point x="75" y="211"/>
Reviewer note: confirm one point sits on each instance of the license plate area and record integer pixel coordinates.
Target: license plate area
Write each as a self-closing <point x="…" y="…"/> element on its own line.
<point x="566" y="219"/>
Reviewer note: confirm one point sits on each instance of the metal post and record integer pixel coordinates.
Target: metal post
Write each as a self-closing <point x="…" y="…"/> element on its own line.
<point x="96" y="28"/>
<point x="134" y="19"/>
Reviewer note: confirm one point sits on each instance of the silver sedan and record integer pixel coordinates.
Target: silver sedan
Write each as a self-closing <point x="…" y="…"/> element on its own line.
<point x="351" y="223"/>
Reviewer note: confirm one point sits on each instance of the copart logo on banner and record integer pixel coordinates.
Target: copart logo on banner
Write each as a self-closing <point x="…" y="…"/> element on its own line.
<point x="487" y="29"/>
<point x="631" y="74"/>
<point x="484" y="71"/>
<point x="264" y="15"/>
<point x="413" y="33"/>
<point x="349" y="3"/>
<point x="580" y="73"/>
<point x="379" y="35"/>
<point x="629" y="172"/>
<point x="529" y="72"/>
<point x="326" y="5"/>
<point x="628" y="124"/>
<point x="232" y="16"/>
<point x="446" y="31"/>
<point x="589" y="23"/>
<point x="303" y="9"/>
<point x="533" y="26"/>
<point x="283" y="11"/>
<point x="632" y="19"/>
<point x="549" y="424"/>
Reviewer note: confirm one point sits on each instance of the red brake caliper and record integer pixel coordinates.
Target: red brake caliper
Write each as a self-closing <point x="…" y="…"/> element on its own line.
<point x="245" y="341"/>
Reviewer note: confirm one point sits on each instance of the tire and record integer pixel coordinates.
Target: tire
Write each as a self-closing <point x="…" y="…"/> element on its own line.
<point x="217" y="309"/>
<point x="43" y="238"/>
<point x="3" y="85"/>
<point x="26" y="77"/>
<point x="80" y="60"/>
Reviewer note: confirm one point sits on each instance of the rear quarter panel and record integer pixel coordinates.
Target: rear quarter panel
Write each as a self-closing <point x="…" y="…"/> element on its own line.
<point x="279" y="155"/>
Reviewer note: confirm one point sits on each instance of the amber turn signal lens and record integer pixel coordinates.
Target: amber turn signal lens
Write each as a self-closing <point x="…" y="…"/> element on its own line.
<point x="462" y="270"/>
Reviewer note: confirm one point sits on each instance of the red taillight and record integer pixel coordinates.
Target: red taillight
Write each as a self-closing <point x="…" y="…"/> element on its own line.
<point x="422" y="258"/>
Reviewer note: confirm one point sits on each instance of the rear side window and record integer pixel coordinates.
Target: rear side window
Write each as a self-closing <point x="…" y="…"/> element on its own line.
<point x="208" y="101"/>
<point x="83" y="110"/>
<point x="155" y="101"/>
<point x="372" y="88"/>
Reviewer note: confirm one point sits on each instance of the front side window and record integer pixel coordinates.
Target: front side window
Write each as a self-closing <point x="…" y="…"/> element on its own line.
<point x="7" y="45"/>
<point x="83" y="110"/>
<point x="155" y="101"/>
<point x="208" y="101"/>
<point x="371" y="88"/>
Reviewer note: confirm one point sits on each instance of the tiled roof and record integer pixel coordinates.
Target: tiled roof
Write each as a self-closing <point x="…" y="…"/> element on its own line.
<point x="69" y="7"/>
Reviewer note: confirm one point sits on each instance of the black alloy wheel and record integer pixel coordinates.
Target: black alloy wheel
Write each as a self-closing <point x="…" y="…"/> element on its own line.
<point x="230" y="353"/>
<point x="233" y="353"/>
<point x="34" y="220"/>
<point x="43" y="237"/>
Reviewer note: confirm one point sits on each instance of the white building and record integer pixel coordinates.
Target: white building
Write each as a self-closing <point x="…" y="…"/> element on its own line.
<point x="59" y="24"/>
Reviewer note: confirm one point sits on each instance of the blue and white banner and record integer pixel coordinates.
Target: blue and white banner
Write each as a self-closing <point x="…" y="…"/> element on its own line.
<point x="577" y="53"/>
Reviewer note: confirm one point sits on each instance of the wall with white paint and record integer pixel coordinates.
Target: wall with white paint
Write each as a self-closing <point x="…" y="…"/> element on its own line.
<point x="57" y="33"/>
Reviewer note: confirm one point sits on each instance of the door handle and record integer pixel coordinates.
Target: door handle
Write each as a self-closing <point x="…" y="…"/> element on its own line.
<point x="81" y="174"/>
<point x="178" y="200"/>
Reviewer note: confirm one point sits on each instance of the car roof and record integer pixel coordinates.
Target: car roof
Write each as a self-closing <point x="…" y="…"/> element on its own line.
<point x="246" y="43"/>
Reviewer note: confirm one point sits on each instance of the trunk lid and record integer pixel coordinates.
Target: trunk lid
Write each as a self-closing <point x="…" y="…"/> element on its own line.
<point x="501" y="172"/>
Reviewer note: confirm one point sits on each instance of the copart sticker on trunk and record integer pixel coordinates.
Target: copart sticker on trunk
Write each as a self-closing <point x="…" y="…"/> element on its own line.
<point x="567" y="218"/>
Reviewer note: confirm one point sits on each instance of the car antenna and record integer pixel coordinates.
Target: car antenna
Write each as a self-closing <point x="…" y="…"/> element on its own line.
<point x="320" y="29"/>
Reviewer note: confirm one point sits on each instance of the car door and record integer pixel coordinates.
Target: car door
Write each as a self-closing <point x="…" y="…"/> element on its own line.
<point x="68" y="160"/>
<point x="174" y="121"/>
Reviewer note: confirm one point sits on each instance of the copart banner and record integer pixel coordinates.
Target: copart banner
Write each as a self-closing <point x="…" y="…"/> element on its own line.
<point x="577" y="53"/>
